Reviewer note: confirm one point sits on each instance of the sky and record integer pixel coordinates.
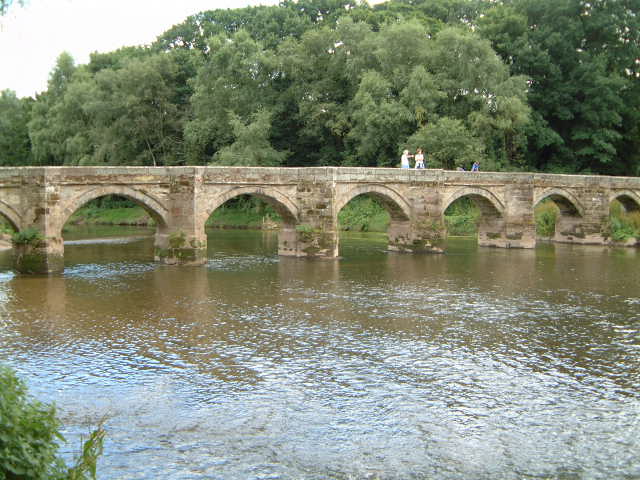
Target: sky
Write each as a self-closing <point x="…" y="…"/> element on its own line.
<point x="33" y="36"/>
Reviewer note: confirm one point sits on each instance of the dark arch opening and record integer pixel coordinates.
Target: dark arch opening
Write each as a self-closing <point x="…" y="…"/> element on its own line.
<point x="627" y="202"/>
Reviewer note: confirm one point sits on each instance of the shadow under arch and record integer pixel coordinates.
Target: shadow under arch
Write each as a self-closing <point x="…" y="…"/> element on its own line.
<point x="567" y="203"/>
<point x="397" y="206"/>
<point x="629" y="200"/>
<point x="8" y="213"/>
<point x="287" y="210"/>
<point x="152" y="206"/>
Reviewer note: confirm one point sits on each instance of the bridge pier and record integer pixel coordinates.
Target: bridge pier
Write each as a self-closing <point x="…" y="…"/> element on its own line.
<point x="513" y="226"/>
<point x="39" y="248"/>
<point x="424" y="235"/>
<point x="182" y="241"/>
<point x="313" y="232"/>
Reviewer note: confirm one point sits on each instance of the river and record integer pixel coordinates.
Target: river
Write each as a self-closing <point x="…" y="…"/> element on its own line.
<point x="477" y="364"/>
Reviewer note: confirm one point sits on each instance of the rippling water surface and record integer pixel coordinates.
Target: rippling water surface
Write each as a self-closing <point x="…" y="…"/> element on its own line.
<point x="477" y="364"/>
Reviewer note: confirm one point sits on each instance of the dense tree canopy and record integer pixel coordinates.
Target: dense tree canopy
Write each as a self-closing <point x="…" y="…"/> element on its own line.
<point x="548" y="85"/>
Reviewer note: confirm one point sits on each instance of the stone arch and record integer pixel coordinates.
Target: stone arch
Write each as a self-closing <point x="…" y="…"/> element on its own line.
<point x="153" y="207"/>
<point x="629" y="200"/>
<point x="487" y="202"/>
<point x="279" y="201"/>
<point x="397" y="206"/>
<point x="7" y="212"/>
<point x="566" y="202"/>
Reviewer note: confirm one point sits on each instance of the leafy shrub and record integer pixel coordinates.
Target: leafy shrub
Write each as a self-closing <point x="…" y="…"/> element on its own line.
<point x="28" y="236"/>
<point x="29" y="432"/>
<point x="363" y="214"/>
<point x="461" y="217"/>
<point x="546" y="214"/>
<point x="623" y="225"/>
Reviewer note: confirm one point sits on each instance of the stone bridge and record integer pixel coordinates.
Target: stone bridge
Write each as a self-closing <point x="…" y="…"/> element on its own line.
<point x="180" y="200"/>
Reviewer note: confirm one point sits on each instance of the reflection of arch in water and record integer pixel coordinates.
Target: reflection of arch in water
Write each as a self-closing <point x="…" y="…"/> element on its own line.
<point x="8" y="213"/>
<point x="392" y="201"/>
<point x="152" y="206"/>
<point x="287" y="210"/>
<point x="630" y="200"/>
<point x="567" y="203"/>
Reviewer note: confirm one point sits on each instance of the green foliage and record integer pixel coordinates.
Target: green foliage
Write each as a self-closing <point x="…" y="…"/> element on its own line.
<point x="251" y="146"/>
<point x="364" y="214"/>
<point x="546" y="214"/>
<point x="447" y="143"/>
<point x="549" y="85"/>
<point x="28" y="236"/>
<point x="461" y="217"/>
<point x="29" y="436"/>
<point x="622" y="224"/>
<point x="15" y="146"/>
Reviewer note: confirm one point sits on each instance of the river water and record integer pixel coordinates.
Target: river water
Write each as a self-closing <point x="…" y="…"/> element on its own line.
<point x="477" y="364"/>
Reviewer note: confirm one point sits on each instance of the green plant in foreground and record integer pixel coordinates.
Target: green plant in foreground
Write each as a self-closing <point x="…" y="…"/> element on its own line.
<point x="29" y="436"/>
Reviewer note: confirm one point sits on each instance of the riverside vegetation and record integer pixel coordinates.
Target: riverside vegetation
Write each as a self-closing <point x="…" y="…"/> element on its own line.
<point x="30" y="436"/>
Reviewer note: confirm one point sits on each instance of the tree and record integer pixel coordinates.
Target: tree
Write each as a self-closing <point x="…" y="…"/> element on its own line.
<point x="448" y="143"/>
<point x="46" y="133"/>
<point x="15" y="146"/>
<point x="581" y="61"/>
<point x="137" y="113"/>
<point x="236" y="78"/>
<point x="380" y="122"/>
<point x="251" y="145"/>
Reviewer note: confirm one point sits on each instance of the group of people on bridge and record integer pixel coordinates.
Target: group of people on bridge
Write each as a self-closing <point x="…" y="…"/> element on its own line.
<point x="420" y="161"/>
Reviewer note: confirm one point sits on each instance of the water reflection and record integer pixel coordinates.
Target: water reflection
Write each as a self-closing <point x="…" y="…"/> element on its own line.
<point x="481" y="363"/>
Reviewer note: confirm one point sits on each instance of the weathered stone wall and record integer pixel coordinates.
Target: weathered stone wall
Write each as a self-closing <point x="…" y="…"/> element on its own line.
<point x="180" y="199"/>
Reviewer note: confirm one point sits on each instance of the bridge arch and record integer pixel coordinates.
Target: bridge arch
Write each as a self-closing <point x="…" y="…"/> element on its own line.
<point x="153" y="207"/>
<point x="485" y="200"/>
<point x="8" y="213"/>
<point x="397" y="206"/>
<point x="566" y="202"/>
<point x="629" y="200"/>
<point x="286" y="208"/>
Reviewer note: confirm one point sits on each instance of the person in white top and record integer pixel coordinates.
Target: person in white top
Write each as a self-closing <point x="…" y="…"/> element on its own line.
<point x="419" y="159"/>
<point x="404" y="160"/>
